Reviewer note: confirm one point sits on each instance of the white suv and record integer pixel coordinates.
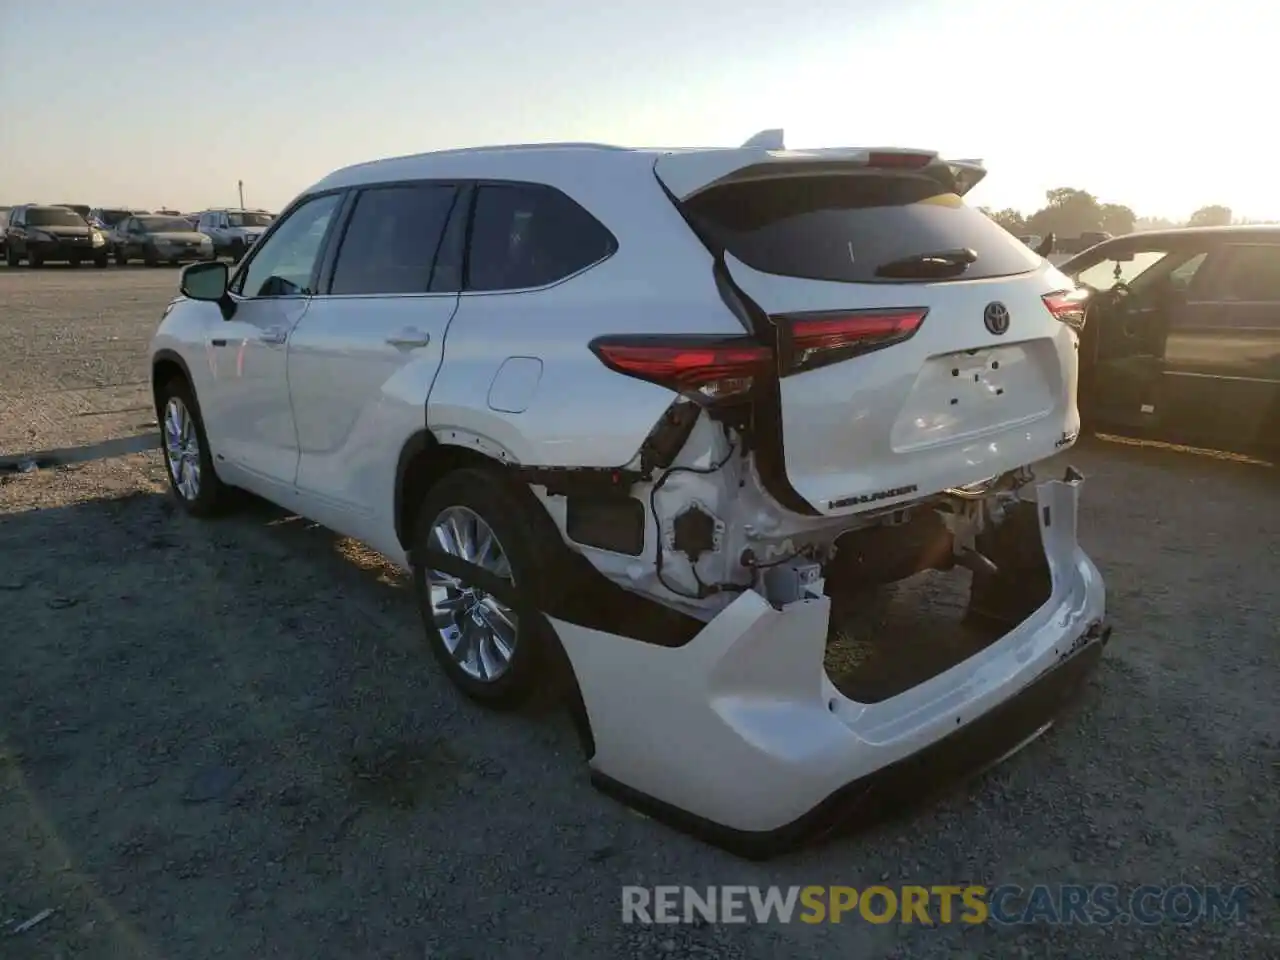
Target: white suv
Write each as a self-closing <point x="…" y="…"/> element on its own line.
<point x="233" y="231"/>
<point x="628" y="391"/>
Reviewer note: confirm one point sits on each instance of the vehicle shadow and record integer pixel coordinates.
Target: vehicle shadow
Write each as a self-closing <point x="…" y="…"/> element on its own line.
<point x="248" y="698"/>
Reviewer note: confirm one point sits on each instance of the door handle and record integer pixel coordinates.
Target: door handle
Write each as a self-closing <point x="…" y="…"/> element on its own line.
<point x="410" y="338"/>
<point x="274" y="335"/>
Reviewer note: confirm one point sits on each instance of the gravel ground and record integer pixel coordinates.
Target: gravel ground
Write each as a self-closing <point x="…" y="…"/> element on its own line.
<point x="226" y="740"/>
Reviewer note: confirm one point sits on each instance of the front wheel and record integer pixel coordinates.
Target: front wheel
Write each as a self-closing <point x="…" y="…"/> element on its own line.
<point x="188" y="462"/>
<point x="495" y="655"/>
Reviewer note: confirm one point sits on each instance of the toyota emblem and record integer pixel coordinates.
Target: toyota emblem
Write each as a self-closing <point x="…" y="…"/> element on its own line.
<point x="996" y="318"/>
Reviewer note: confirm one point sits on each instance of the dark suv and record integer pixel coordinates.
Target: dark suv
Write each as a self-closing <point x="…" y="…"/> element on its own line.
<point x="1182" y="335"/>
<point x="41" y="234"/>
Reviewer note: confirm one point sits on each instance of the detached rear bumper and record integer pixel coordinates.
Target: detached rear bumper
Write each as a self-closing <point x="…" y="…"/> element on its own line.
<point x="740" y="738"/>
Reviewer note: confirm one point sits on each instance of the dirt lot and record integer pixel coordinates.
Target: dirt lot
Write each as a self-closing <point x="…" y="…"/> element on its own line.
<point x="225" y="740"/>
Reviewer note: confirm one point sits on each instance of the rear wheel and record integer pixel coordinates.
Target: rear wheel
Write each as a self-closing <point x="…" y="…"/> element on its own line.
<point x="188" y="462"/>
<point x="492" y="653"/>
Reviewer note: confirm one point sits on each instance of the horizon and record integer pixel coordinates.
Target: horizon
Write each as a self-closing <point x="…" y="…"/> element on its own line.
<point x="281" y="97"/>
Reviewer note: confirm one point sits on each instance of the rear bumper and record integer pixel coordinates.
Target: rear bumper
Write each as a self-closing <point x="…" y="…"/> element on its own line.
<point x="739" y="736"/>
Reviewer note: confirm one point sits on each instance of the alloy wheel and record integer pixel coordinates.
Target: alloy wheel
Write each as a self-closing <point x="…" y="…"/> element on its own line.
<point x="182" y="449"/>
<point x="478" y="630"/>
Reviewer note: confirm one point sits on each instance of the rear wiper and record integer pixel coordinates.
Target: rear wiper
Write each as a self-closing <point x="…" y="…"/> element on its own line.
<point x="943" y="263"/>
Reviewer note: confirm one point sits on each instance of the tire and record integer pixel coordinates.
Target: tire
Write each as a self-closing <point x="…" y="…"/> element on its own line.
<point x="100" y="260"/>
<point x="121" y="259"/>
<point x="34" y="260"/>
<point x="529" y="543"/>
<point x="209" y="495"/>
<point x="11" y="257"/>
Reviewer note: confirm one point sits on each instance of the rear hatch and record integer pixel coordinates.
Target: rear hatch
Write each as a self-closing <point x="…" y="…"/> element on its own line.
<point x="919" y="345"/>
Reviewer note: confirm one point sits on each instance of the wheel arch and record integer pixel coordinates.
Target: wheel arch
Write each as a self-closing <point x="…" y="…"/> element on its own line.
<point x="425" y="459"/>
<point x="165" y="365"/>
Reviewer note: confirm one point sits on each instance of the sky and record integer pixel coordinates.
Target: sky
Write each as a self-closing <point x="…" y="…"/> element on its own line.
<point x="1160" y="106"/>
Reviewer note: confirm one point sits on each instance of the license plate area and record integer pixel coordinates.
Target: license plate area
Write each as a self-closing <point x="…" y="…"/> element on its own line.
<point x="965" y="395"/>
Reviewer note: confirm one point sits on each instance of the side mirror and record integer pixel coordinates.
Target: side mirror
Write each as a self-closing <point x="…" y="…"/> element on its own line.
<point x="205" y="281"/>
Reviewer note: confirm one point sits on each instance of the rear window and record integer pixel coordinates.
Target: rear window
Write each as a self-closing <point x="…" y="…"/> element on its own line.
<point x="844" y="228"/>
<point x="527" y="235"/>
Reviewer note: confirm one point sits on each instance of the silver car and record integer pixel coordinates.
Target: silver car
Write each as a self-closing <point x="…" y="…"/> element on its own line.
<point x="155" y="239"/>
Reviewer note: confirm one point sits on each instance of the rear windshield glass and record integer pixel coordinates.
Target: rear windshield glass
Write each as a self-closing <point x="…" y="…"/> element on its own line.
<point x="53" y="217"/>
<point x="845" y="228"/>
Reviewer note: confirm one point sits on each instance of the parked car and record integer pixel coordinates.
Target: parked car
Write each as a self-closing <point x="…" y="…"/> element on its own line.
<point x="1183" y="335"/>
<point x="617" y="410"/>
<point x="233" y="231"/>
<point x="107" y="218"/>
<point x="156" y="239"/>
<point x="41" y="234"/>
<point x="4" y="222"/>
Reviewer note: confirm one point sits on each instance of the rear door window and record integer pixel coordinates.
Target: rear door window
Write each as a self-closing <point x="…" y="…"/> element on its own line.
<point x="530" y="235"/>
<point x="1246" y="273"/>
<point x="846" y="227"/>
<point x="392" y="238"/>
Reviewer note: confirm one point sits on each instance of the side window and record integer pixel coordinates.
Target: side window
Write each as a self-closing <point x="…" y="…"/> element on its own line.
<point x="526" y="235"/>
<point x="284" y="263"/>
<point x="1247" y="273"/>
<point x="391" y="240"/>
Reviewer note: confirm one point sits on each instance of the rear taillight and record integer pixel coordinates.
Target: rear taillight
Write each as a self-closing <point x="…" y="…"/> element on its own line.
<point x="1068" y="306"/>
<point x="709" y="369"/>
<point x="807" y="341"/>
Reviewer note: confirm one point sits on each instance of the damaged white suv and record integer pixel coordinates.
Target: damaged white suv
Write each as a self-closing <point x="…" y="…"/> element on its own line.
<point x="645" y="414"/>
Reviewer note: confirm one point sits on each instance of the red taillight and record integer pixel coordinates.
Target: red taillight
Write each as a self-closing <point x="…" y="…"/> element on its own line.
<point x="1068" y="306"/>
<point x="709" y="369"/>
<point x="810" y="340"/>
<point x="900" y="161"/>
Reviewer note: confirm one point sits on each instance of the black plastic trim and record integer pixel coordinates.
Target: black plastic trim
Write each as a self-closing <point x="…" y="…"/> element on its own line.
<point x="420" y="442"/>
<point x="900" y="786"/>
<point x="168" y="355"/>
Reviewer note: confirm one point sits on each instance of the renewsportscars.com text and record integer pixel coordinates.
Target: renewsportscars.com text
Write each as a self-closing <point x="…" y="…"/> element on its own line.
<point x="1007" y="904"/>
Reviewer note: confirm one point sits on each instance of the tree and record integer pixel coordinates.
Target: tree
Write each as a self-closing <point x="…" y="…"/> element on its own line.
<point x="1211" y="216"/>
<point x="1117" y="219"/>
<point x="1069" y="213"/>
<point x="1010" y="219"/>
